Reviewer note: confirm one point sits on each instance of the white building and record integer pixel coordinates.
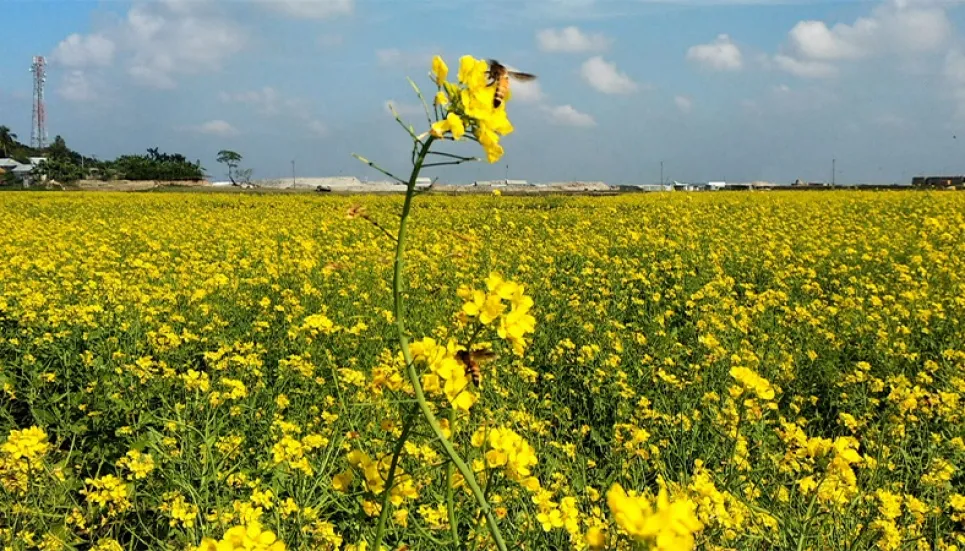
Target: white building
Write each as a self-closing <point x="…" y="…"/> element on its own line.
<point x="21" y="170"/>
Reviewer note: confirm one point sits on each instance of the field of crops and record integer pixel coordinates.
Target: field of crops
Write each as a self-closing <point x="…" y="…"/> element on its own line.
<point x="206" y="371"/>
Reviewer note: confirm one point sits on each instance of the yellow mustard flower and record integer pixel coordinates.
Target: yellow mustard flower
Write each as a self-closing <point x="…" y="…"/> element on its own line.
<point x="670" y="526"/>
<point x="439" y="70"/>
<point x="452" y="123"/>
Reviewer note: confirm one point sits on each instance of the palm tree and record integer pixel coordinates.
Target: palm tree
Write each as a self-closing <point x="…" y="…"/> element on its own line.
<point x="7" y="139"/>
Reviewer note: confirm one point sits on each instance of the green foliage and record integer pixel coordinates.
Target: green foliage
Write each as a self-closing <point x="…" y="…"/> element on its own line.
<point x="66" y="165"/>
<point x="7" y="140"/>
<point x="58" y="169"/>
<point x="9" y="179"/>
<point x="231" y="159"/>
<point x="243" y="175"/>
<point x="157" y="166"/>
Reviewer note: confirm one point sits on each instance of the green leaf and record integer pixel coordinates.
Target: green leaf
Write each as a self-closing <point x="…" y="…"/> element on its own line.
<point x="142" y="442"/>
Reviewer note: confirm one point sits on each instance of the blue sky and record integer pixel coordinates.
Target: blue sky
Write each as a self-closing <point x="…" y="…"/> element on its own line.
<point x="716" y="89"/>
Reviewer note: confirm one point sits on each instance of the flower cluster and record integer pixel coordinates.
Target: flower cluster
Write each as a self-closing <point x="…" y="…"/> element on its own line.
<point x="751" y="381"/>
<point x="488" y="307"/>
<point x="508" y="450"/>
<point x="668" y="527"/>
<point x="468" y="106"/>
<point x="446" y="373"/>
<point x="293" y="451"/>
<point x="140" y="464"/>
<point x="840" y="483"/>
<point x="21" y="454"/>
<point x="179" y="509"/>
<point x="250" y="536"/>
<point x="373" y="471"/>
<point x="108" y="491"/>
<point x="29" y="444"/>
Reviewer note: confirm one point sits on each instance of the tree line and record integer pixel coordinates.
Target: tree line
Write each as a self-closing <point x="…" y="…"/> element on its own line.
<point x="65" y="165"/>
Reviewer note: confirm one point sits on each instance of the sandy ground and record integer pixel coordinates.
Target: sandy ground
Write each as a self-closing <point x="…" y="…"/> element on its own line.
<point x="135" y="185"/>
<point x="339" y="185"/>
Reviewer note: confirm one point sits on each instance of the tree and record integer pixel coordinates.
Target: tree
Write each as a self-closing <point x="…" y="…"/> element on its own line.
<point x="231" y="159"/>
<point x="8" y="179"/>
<point x="59" y="149"/>
<point x="57" y="169"/>
<point x="7" y="140"/>
<point x="244" y="175"/>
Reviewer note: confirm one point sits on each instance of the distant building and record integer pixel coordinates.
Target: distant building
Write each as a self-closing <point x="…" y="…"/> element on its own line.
<point x="22" y="171"/>
<point x="645" y="187"/>
<point x="939" y="182"/>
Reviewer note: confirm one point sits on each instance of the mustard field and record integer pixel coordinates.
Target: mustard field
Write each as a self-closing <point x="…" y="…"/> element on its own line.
<point x="781" y="370"/>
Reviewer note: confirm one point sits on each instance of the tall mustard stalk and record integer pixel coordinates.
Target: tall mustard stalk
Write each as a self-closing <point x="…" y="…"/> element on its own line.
<point x="467" y="110"/>
<point x="399" y="314"/>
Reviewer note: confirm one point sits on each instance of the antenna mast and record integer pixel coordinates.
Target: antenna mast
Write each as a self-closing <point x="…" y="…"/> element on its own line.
<point x="38" y="130"/>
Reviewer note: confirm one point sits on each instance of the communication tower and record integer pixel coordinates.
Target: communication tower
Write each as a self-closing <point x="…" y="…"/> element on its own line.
<point x="38" y="130"/>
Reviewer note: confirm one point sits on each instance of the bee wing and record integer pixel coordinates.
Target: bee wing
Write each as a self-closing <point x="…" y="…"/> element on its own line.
<point x="483" y="355"/>
<point x="522" y="76"/>
<point x="519" y="75"/>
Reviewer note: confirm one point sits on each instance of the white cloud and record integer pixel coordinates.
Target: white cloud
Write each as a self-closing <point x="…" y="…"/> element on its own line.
<point x="805" y="68"/>
<point x="720" y="55"/>
<point x="165" y="44"/>
<point x="814" y="40"/>
<point x="567" y="115"/>
<point x="78" y="86"/>
<point x="894" y="27"/>
<point x="570" y="40"/>
<point x="683" y="103"/>
<point x="156" y="42"/>
<point x="217" y="128"/>
<point x="311" y="9"/>
<point x="527" y="92"/>
<point x="604" y="76"/>
<point x="84" y="51"/>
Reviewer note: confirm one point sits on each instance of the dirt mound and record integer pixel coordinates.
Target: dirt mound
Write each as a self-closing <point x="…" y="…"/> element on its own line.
<point x="136" y="185"/>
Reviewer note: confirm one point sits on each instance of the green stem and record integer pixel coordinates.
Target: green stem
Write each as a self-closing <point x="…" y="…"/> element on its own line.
<point x="390" y="480"/>
<point x="410" y="365"/>
<point x="450" y="500"/>
<point x="807" y="515"/>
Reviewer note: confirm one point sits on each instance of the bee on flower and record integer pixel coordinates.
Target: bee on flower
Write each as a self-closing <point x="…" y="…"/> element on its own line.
<point x="471" y="105"/>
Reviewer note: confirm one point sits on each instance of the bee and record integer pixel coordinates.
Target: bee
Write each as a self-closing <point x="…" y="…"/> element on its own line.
<point x="472" y="359"/>
<point x="499" y="76"/>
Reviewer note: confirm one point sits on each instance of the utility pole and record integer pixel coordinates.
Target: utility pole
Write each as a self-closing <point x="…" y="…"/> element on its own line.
<point x="293" y="172"/>
<point x="833" y="171"/>
<point x="661" y="172"/>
